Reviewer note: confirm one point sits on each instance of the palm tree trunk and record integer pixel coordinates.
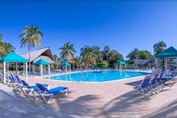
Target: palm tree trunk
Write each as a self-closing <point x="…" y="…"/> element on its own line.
<point x="29" y="58"/>
<point x="86" y="66"/>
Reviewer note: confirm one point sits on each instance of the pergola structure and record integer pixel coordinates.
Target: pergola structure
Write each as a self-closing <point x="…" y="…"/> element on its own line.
<point x="120" y="63"/>
<point x="13" y="58"/>
<point x="42" y="62"/>
<point x="170" y="52"/>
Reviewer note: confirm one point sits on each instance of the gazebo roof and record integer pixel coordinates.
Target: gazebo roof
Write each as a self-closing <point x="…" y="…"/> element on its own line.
<point x="168" y="53"/>
<point x="13" y="58"/>
<point x="120" y="63"/>
<point x="65" y="64"/>
<point x="41" y="62"/>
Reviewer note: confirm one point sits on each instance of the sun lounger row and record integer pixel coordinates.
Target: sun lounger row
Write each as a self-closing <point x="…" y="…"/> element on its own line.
<point x="38" y="90"/>
<point x="154" y="83"/>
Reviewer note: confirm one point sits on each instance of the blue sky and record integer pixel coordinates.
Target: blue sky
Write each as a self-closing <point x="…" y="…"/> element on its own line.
<point x="123" y="25"/>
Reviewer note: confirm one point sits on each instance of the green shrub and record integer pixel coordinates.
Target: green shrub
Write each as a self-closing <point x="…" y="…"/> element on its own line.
<point x="103" y="64"/>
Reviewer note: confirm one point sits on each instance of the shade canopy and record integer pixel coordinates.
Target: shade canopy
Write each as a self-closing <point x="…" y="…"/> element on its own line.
<point x="168" y="53"/>
<point x="13" y="58"/>
<point x="121" y="63"/>
<point x="65" y="64"/>
<point x="41" y="62"/>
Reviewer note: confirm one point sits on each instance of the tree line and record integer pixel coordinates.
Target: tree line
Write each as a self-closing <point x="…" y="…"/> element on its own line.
<point x="90" y="56"/>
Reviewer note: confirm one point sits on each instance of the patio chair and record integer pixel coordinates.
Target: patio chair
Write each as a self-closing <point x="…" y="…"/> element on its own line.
<point x="159" y="82"/>
<point x="144" y="87"/>
<point x="156" y="84"/>
<point x="12" y="81"/>
<point x="169" y="79"/>
<point x="45" y="92"/>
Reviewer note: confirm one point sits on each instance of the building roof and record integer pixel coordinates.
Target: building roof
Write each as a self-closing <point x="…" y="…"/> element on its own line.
<point x="44" y="53"/>
<point x="144" y="61"/>
<point x="14" y="58"/>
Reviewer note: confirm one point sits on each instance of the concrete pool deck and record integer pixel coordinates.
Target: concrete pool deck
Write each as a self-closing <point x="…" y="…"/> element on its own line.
<point x="97" y="100"/>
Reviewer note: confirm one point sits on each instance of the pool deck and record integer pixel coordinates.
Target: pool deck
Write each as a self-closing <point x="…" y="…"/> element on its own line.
<point x="99" y="100"/>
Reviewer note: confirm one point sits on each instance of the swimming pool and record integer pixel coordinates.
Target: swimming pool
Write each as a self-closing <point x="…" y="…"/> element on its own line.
<point x="97" y="76"/>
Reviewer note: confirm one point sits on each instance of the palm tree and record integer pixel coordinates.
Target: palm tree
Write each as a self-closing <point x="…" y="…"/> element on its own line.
<point x="79" y="63"/>
<point x="67" y="51"/>
<point x="8" y="47"/>
<point x="159" y="47"/>
<point x="31" y="35"/>
<point x="99" y="57"/>
<point x="96" y="51"/>
<point x="2" y="50"/>
<point x="106" y="51"/>
<point x="88" y="56"/>
<point x="55" y="58"/>
<point x="1" y="38"/>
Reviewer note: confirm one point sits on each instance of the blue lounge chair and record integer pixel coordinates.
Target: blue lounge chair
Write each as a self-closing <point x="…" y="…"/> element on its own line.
<point x="45" y="92"/>
<point x="26" y="87"/>
<point x="29" y="73"/>
<point x="169" y="78"/>
<point x="10" y="80"/>
<point x="144" y="86"/>
<point x="13" y="81"/>
<point x="155" y="84"/>
<point x="159" y="81"/>
<point x="37" y="73"/>
<point x="18" y="79"/>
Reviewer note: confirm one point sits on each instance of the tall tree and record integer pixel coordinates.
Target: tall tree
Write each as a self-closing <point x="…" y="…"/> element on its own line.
<point x="145" y="54"/>
<point x="2" y="50"/>
<point x="159" y="47"/>
<point x="67" y="51"/>
<point x="113" y="57"/>
<point x="79" y="63"/>
<point x="55" y="58"/>
<point x="106" y="51"/>
<point x="96" y="51"/>
<point x="8" y="47"/>
<point x="1" y="38"/>
<point x="134" y="54"/>
<point x="31" y="35"/>
<point x="88" y="56"/>
<point x="99" y="57"/>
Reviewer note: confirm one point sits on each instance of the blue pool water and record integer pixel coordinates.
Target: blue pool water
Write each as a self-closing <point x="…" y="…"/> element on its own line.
<point x="97" y="76"/>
